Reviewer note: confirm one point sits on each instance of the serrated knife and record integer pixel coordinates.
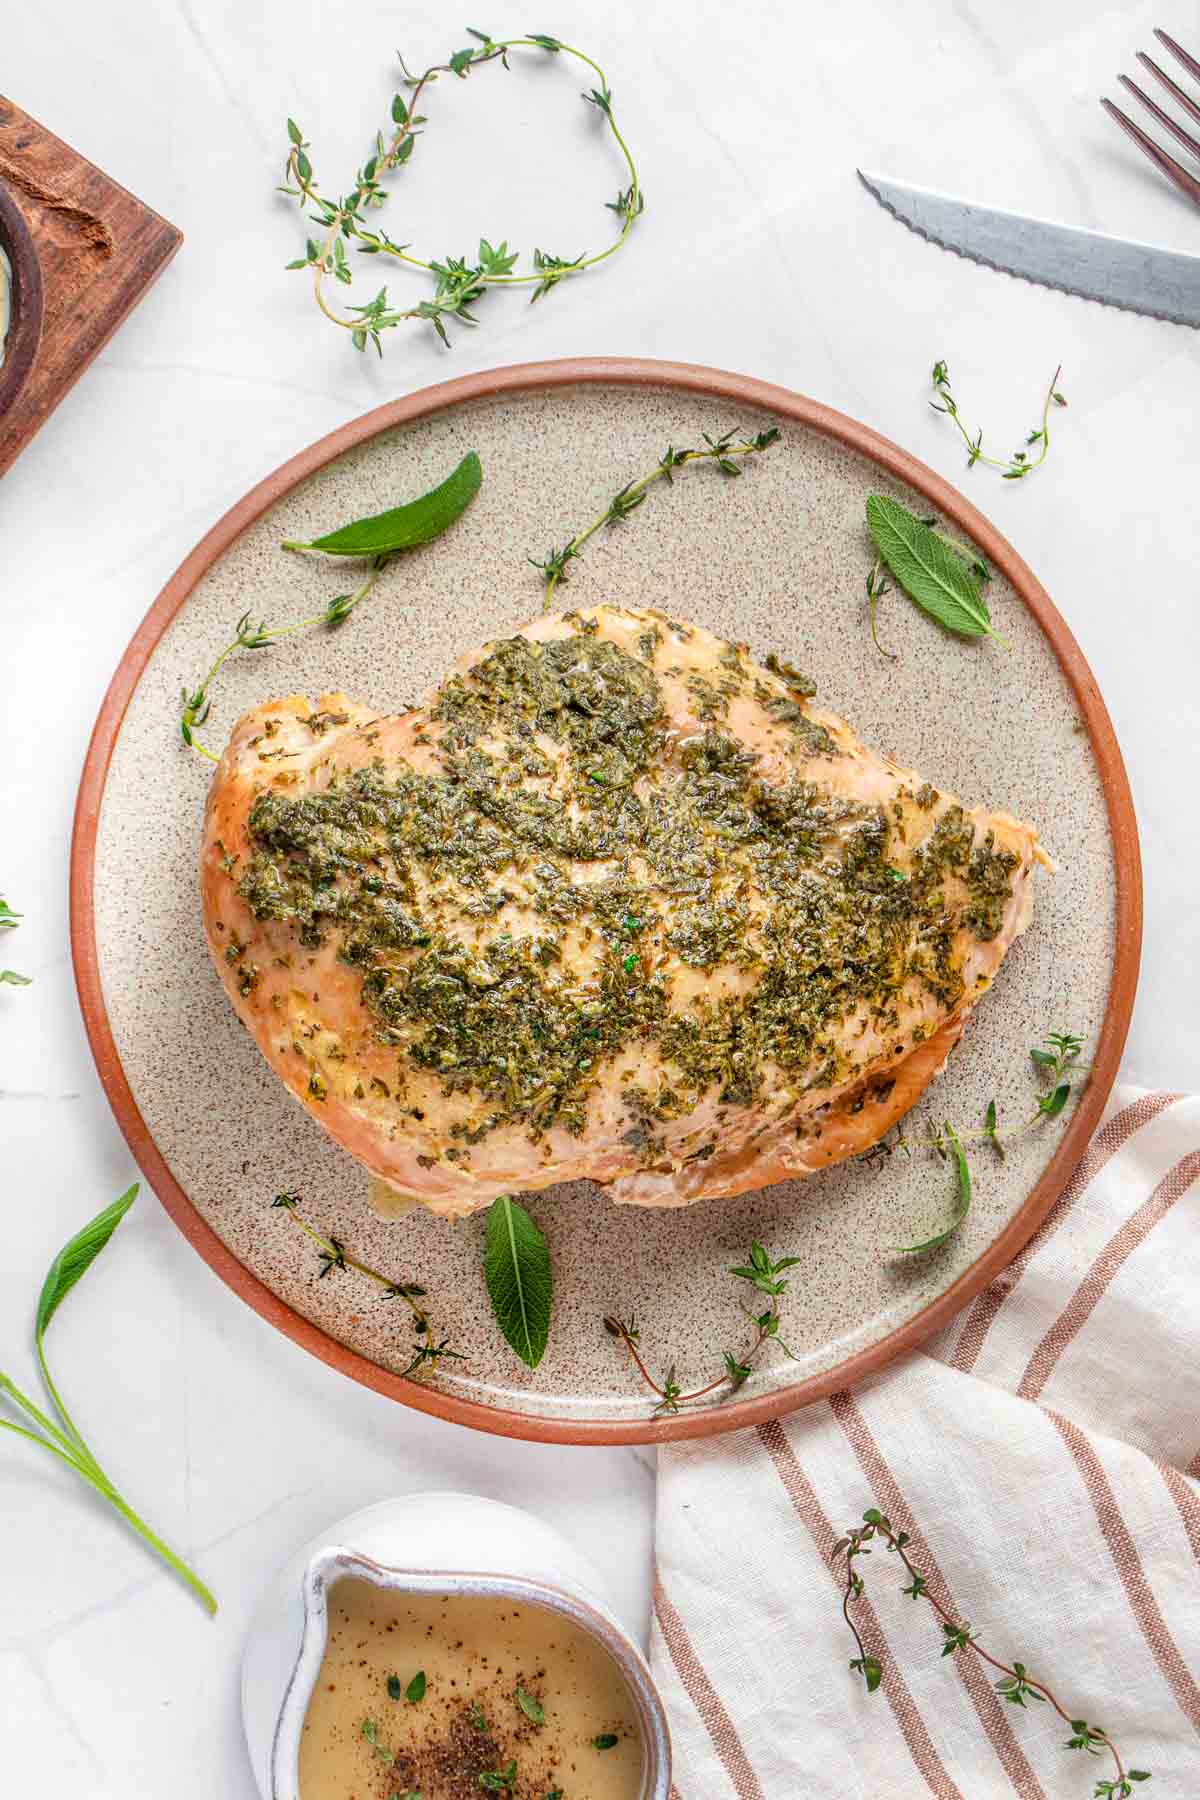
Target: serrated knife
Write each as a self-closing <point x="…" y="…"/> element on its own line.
<point x="1164" y="284"/>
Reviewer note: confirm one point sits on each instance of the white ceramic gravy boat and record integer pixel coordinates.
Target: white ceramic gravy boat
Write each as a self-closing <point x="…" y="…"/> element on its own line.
<point x="458" y="1544"/>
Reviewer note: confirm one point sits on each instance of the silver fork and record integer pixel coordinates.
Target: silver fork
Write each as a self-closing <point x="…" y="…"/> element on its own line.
<point x="1173" y="170"/>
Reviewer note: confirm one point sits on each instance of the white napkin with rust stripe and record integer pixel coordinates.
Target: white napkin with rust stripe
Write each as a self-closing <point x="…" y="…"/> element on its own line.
<point x="1044" y="1454"/>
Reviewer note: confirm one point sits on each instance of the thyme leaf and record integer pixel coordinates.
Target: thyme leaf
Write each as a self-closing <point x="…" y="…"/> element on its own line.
<point x="531" y="1706"/>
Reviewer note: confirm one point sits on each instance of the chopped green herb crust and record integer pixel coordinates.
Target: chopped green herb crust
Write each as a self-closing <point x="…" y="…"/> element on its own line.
<point x="569" y="875"/>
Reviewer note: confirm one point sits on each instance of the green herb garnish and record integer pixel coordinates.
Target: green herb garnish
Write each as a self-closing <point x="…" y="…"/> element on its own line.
<point x="1016" y="1685"/>
<point x="930" y="570"/>
<point x="9" y="921"/>
<point x="531" y="1707"/>
<point x="370" y="1731"/>
<point x="517" y="1270"/>
<point x="414" y="1693"/>
<point x="378" y="538"/>
<point x="962" y="1203"/>
<point x="459" y="281"/>
<point x="500" y="1781"/>
<point x="1059" y="1052"/>
<point x="765" y="1276"/>
<point x="64" y="1440"/>
<point x="1021" y="462"/>
<point x="607" y="1740"/>
<point x="394" y="1687"/>
<point x="333" y="1255"/>
<point x="403" y="527"/>
<point x="877" y="586"/>
<point x="724" y="451"/>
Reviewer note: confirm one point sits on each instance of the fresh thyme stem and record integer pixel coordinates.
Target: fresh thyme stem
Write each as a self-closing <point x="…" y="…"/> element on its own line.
<point x="1020" y="463"/>
<point x="334" y="1255"/>
<point x="195" y="705"/>
<point x="1057" y="1055"/>
<point x="458" y="282"/>
<point x="722" y="451"/>
<point x="1017" y="1684"/>
<point x="763" y="1275"/>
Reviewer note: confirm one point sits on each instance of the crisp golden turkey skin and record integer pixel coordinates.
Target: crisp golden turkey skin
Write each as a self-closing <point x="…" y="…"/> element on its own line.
<point x="616" y="901"/>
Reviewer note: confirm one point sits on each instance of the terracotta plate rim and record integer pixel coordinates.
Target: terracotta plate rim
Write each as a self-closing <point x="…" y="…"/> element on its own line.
<point x="725" y="385"/>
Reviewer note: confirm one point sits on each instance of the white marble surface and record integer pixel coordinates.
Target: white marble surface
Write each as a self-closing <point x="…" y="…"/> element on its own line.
<point x="758" y="252"/>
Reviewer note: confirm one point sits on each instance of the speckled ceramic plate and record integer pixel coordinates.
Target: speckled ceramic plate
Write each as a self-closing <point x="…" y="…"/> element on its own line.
<point x="778" y="560"/>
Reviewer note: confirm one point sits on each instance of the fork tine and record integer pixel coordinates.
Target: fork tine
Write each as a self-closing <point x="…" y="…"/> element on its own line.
<point x="1165" y="120"/>
<point x="1179" y="53"/>
<point x="1173" y="88"/>
<point x="1174" y="171"/>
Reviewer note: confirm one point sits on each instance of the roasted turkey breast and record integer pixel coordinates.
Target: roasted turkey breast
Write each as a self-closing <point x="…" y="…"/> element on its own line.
<point x="616" y="901"/>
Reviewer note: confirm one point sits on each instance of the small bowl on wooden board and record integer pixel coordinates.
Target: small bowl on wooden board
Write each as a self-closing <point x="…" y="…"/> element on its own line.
<point x="19" y="346"/>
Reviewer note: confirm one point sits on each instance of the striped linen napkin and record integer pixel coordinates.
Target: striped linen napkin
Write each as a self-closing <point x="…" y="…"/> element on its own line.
<point x="1044" y="1454"/>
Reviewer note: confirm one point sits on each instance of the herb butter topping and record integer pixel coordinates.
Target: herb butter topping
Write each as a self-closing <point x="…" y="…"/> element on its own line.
<point x="571" y="874"/>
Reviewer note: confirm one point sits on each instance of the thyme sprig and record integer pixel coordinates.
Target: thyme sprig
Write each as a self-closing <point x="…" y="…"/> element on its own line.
<point x="459" y="281"/>
<point x="1016" y="1685"/>
<point x="765" y="1277"/>
<point x="333" y="1255"/>
<point x="196" y="703"/>
<point x="1053" y="1058"/>
<point x="877" y="586"/>
<point x="724" y="451"/>
<point x="1021" y="462"/>
<point x="9" y="921"/>
<point x="374" y="540"/>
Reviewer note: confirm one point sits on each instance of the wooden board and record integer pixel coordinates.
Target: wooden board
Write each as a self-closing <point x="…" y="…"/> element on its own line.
<point x="99" y="249"/>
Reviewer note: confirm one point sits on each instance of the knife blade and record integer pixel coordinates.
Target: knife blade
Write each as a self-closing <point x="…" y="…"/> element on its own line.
<point x="1141" y="278"/>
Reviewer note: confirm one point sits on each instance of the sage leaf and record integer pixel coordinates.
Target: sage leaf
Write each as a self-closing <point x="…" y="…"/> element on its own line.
<point x="76" y="1257"/>
<point x="516" y="1267"/>
<point x="962" y="1204"/>
<point x="402" y="527"/>
<point x="63" y="1439"/>
<point x="928" y="570"/>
